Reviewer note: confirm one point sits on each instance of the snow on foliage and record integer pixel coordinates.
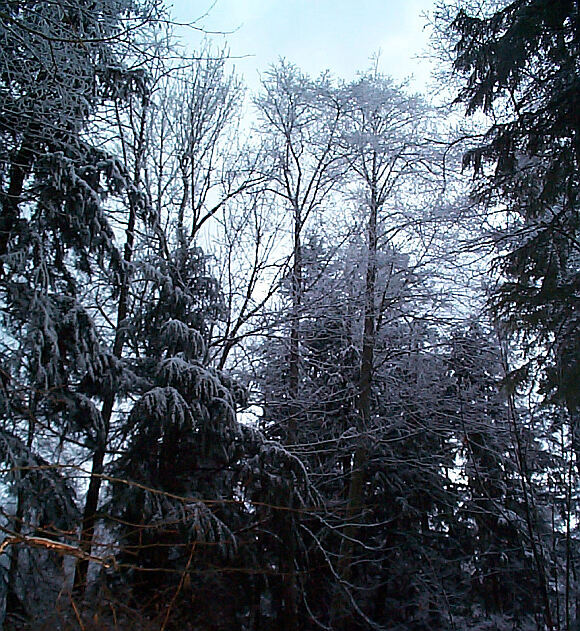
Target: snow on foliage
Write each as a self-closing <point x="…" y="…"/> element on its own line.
<point x="177" y="337"/>
<point x="161" y="407"/>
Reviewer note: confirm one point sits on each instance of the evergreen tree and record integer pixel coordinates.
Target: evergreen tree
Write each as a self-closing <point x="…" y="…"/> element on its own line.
<point x="500" y="527"/>
<point x="520" y="64"/>
<point x="406" y="496"/>
<point x="191" y="472"/>
<point x="61" y="62"/>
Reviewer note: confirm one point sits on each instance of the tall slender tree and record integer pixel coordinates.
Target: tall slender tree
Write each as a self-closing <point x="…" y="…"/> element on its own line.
<point x="384" y="138"/>
<point x="300" y="121"/>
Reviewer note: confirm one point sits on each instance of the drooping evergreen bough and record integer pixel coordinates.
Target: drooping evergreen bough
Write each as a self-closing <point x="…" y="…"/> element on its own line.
<point x="519" y="63"/>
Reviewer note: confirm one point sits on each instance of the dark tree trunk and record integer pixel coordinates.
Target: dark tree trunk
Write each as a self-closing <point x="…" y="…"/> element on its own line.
<point x="10" y="208"/>
<point x="355" y="501"/>
<point x="97" y="468"/>
<point x="289" y="593"/>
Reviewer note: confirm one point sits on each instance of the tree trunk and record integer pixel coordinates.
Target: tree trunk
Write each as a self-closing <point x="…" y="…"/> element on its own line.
<point x="289" y="617"/>
<point x="355" y="501"/>
<point x="294" y="358"/>
<point x="97" y="468"/>
<point x="19" y="169"/>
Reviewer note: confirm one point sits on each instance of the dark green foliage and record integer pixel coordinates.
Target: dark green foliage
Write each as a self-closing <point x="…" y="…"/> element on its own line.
<point x="522" y="65"/>
<point x="491" y="526"/>
<point x="443" y="534"/>
<point x="42" y="486"/>
<point x="59" y="65"/>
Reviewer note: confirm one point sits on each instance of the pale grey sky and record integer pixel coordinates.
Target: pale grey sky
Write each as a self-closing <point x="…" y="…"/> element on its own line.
<point x="317" y="35"/>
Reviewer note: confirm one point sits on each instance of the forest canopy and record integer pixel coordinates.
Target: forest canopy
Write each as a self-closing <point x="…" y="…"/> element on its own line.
<point x="301" y="358"/>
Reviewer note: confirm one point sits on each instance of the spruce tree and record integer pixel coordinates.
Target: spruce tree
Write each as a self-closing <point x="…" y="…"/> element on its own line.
<point x="61" y="63"/>
<point x="519" y="64"/>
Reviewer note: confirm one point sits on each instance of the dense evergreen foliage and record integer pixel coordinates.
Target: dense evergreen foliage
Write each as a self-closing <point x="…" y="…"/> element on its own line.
<point x="237" y="391"/>
<point x="521" y="64"/>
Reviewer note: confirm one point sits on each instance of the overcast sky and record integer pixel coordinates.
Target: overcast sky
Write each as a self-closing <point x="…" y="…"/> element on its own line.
<point x="318" y="35"/>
